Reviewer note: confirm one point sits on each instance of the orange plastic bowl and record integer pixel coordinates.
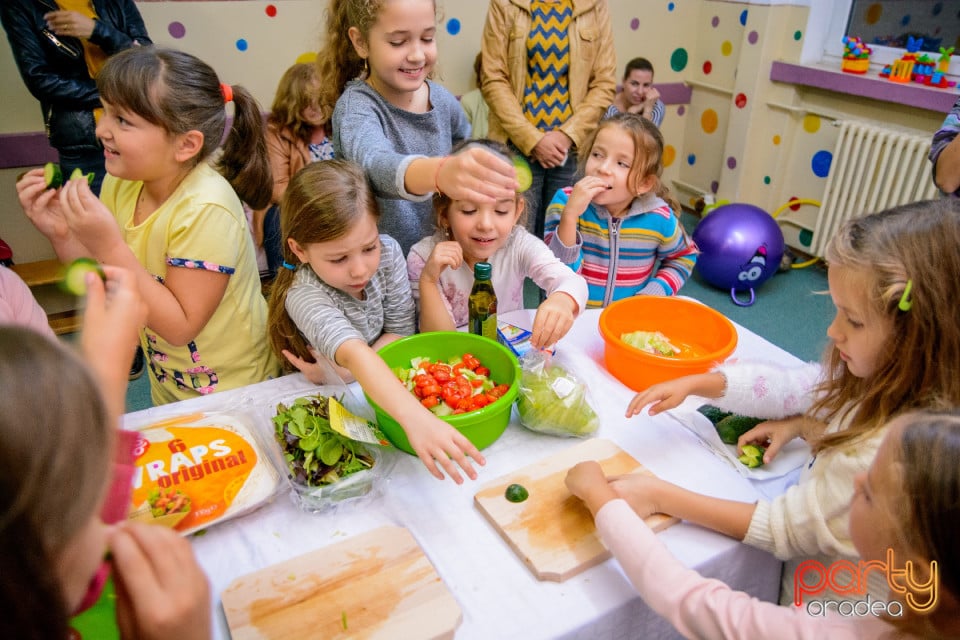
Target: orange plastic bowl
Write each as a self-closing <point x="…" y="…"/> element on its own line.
<point x="682" y="321"/>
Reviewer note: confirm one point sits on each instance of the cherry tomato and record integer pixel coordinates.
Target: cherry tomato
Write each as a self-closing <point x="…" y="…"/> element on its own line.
<point x="482" y="371"/>
<point x="430" y="401"/>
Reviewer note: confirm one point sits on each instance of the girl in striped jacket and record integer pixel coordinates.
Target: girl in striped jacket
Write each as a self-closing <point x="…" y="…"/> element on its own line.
<point x="618" y="226"/>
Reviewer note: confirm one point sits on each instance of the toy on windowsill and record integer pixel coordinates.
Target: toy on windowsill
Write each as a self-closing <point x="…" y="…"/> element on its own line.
<point x="856" y="55"/>
<point x="920" y="68"/>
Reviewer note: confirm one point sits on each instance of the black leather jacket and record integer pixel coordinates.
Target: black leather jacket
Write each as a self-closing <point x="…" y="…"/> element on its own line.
<point x="54" y="69"/>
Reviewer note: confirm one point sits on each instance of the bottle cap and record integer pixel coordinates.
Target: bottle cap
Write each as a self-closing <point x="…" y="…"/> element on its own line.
<point x="481" y="271"/>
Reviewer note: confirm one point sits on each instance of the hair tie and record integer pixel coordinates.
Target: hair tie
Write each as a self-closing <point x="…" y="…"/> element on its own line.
<point x="287" y="265"/>
<point x="905" y="301"/>
<point x="227" y="92"/>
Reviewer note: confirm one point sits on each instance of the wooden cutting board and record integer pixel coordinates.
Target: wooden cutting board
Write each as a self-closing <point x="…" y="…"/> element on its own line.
<point x="552" y="531"/>
<point x="375" y="585"/>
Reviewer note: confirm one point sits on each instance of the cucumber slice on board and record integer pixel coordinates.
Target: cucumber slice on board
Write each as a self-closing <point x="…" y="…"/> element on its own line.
<point x="75" y="275"/>
<point x="52" y="175"/>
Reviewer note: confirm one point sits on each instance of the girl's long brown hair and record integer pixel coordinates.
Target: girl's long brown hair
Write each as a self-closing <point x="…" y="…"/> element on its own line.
<point x="180" y="93"/>
<point x="323" y="201"/>
<point x="919" y="366"/>
<point x="298" y="89"/>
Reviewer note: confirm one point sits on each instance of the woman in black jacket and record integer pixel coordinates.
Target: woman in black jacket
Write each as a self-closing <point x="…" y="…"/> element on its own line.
<point x="59" y="50"/>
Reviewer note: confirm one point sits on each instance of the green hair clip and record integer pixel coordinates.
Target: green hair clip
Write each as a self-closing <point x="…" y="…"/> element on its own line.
<point x="905" y="301"/>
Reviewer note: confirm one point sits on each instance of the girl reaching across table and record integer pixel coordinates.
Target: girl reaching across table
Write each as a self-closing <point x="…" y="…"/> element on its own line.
<point x="343" y="293"/>
<point x="904" y="510"/>
<point x="892" y="343"/>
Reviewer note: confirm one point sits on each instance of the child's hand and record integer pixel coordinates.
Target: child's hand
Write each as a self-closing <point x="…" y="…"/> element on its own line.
<point x="162" y="592"/>
<point x="435" y="441"/>
<point x="587" y="481"/>
<point x="42" y="205"/>
<point x="89" y="219"/>
<point x="448" y="254"/>
<point x="639" y="490"/>
<point x="321" y="370"/>
<point x="583" y="193"/>
<point x="774" y="434"/>
<point x="478" y="175"/>
<point x="667" y="395"/>
<point x="553" y="320"/>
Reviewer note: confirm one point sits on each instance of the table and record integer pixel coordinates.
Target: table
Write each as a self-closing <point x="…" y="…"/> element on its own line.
<point x="499" y="596"/>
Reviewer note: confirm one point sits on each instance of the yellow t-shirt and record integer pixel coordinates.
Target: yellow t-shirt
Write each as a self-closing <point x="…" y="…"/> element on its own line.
<point x="200" y="226"/>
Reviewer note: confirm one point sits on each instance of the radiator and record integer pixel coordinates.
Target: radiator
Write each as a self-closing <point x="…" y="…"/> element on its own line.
<point x="873" y="168"/>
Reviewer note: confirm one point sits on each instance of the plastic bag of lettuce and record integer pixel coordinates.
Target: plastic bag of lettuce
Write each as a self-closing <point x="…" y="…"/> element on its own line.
<point x="552" y="400"/>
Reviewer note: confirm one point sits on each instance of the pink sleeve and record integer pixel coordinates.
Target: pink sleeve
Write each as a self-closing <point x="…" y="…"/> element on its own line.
<point x="18" y="306"/>
<point x="700" y="607"/>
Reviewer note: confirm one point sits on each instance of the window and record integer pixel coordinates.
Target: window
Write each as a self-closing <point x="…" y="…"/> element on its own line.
<point x="885" y="25"/>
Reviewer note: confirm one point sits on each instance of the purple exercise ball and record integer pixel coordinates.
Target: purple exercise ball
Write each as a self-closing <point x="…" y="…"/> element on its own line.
<point x="740" y="247"/>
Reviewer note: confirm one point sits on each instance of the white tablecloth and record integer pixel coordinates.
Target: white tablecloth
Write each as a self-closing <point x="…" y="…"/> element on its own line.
<point x="499" y="596"/>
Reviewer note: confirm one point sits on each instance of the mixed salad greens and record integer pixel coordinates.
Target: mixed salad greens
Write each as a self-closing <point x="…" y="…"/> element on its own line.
<point x="651" y="342"/>
<point x="316" y="454"/>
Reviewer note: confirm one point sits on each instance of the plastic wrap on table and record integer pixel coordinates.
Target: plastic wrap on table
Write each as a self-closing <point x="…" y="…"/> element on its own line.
<point x="552" y="399"/>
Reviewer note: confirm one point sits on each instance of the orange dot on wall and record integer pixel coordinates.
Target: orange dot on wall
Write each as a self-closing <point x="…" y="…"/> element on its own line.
<point x="669" y="155"/>
<point x="776" y="139"/>
<point x="709" y="121"/>
<point x="873" y="13"/>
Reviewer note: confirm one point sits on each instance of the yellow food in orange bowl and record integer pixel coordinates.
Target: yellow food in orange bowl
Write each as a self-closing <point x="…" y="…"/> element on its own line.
<point x="676" y="337"/>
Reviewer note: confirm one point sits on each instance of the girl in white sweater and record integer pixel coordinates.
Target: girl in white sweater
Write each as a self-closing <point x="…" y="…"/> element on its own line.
<point x="902" y="518"/>
<point x="895" y="342"/>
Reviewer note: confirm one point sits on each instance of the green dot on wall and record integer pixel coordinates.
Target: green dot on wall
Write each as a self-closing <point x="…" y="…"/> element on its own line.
<point x="797" y="34"/>
<point x="805" y="237"/>
<point x="766" y="179"/>
<point x="678" y="60"/>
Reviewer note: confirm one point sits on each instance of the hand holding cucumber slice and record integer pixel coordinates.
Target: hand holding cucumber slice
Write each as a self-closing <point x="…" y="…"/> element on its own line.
<point x="53" y="175"/>
<point x="524" y="173"/>
<point x="75" y="275"/>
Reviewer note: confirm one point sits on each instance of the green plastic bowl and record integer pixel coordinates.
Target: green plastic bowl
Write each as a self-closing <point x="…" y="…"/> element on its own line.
<point x="481" y="427"/>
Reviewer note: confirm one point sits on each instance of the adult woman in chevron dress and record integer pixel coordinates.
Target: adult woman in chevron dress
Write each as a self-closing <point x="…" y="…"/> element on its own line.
<point x="549" y="73"/>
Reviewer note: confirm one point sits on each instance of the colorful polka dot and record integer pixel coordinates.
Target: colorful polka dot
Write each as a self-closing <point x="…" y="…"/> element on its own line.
<point x="731" y="163"/>
<point x="307" y="56"/>
<point x="714" y="186"/>
<point x="715" y="22"/>
<point x="271" y="10"/>
<point x="796" y="203"/>
<point x="453" y="26"/>
<point x="681" y="110"/>
<point x="678" y="59"/>
<point x="726" y="47"/>
<point x="709" y="121"/>
<point x="805" y="237"/>
<point x="905" y="20"/>
<point x="669" y="155"/>
<point x="691" y="159"/>
<point x="707" y="68"/>
<point x="743" y="17"/>
<point x="752" y="37"/>
<point x="635" y="24"/>
<point x="873" y="13"/>
<point x="937" y="8"/>
<point x="242" y="45"/>
<point x="740" y="101"/>
<point x="820" y="163"/>
<point x="797" y="35"/>
<point x="766" y="179"/>
<point x="776" y="140"/>
<point x="670" y="6"/>
<point x="811" y="123"/>
<point x="176" y="30"/>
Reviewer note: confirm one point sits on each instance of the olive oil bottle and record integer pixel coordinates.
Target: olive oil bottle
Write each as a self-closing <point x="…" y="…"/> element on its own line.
<point x="483" y="303"/>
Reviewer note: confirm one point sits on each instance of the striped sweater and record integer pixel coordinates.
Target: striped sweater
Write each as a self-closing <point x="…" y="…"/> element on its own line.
<point x="644" y="252"/>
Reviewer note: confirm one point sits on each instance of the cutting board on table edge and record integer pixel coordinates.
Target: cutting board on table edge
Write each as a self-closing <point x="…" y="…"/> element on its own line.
<point x="377" y="584"/>
<point x="552" y="531"/>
